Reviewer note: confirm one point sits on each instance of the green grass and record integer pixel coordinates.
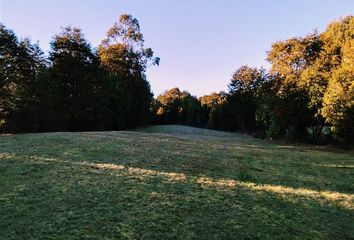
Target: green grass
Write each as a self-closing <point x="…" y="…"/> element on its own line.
<point x="172" y="182"/>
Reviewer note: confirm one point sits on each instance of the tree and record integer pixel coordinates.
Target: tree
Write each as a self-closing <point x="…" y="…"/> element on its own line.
<point x="247" y="80"/>
<point x="175" y="106"/>
<point x="339" y="98"/>
<point x="21" y="64"/>
<point x="8" y="69"/>
<point x="210" y="109"/>
<point x="295" y="62"/>
<point x="124" y="57"/>
<point x="76" y="85"/>
<point x="243" y="92"/>
<point x="170" y="105"/>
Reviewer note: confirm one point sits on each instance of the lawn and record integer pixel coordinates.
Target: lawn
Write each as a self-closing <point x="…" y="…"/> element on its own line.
<point x="172" y="182"/>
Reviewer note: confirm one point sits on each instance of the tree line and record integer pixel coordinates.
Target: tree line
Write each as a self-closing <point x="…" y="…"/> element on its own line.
<point x="75" y="87"/>
<point x="308" y="94"/>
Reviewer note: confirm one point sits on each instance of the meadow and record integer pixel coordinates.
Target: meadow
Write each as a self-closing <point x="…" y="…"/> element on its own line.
<point x="172" y="182"/>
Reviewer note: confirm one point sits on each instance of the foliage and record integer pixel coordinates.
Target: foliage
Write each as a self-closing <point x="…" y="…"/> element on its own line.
<point x="76" y="81"/>
<point x="317" y="66"/>
<point x="125" y="59"/>
<point x="76" y="88"/>
<point x="308" y="90"/>
<point x="174" y="106"/>
<point x="243" y="93"/>
<point x="339" y="97"/>
<point x="308" y="94"/>
<point x="21" y="65"/>
<point x="210" y="109"/>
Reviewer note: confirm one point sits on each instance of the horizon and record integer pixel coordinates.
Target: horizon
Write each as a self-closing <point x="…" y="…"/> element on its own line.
<point x="195" y="35"/>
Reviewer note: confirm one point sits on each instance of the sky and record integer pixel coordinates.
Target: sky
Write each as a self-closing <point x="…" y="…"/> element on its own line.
<point x="200" y="42"/>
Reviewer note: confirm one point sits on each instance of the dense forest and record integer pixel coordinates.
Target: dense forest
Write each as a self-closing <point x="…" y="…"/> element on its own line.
<point x="307" y="95"/>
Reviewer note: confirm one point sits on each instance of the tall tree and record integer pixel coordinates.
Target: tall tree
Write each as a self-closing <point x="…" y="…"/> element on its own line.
<point x="339" y="98"/>
<point x="293" y="62"/>
<point x="124" y="56"/>
<point x="76" y="83"/>
<point x="21" y="64"/>
<point x="8" y="69"/>
<point x="243" y="91"/>
<point x="306" y="67"/>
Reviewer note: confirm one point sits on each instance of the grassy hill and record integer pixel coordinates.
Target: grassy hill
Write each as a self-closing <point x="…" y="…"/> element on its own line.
<point x="168" y="182"/>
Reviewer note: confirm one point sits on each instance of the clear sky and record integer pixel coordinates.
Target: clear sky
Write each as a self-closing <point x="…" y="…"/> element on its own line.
<point x="200" y="42"/>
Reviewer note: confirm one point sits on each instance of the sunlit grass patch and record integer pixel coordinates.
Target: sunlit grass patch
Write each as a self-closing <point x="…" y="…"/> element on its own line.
<point x="345" y="200"/>
<point x="336" y="165"/>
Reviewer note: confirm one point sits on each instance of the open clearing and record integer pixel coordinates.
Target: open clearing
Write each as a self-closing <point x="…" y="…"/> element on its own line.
<point x="168" y="182"/>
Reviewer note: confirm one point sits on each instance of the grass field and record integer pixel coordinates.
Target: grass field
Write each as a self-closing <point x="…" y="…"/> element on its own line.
<point x="172" y="182"/>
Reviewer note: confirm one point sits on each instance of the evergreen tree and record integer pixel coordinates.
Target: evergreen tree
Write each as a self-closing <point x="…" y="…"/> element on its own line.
<point x="77" y="84"/>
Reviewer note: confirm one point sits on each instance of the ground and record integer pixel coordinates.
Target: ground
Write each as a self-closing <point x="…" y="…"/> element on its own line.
<point x="172" y="182"/>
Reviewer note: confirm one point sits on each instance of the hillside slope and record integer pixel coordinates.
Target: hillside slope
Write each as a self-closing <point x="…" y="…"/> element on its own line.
<point x="164" y="182"/>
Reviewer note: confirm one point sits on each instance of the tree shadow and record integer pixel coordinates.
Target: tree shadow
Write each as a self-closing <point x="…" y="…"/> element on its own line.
<point x="106" y="200"/>
<point x="214" y="158"/>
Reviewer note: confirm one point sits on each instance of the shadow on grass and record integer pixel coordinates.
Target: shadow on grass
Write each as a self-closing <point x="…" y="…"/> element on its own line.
<point x="341" y="199"/>
<point x="45" y="197"/>
<point x="160" y="186"/>
<point x="247" y="162"/>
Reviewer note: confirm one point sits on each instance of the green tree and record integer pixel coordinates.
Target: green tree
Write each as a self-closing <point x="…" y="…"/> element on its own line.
<point x="295" y="63"/>
<point x="8" y="73"/>
<point x="76" y="85"/>
<point x="125" y="58"/>
<point x="175" y="106"/>
<point x="243" y="92"/>
<point x="21" y="64"/>
<point x="339" y="98"/>
<point x="210" y="109"/>
<point x="170" y="106"/>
